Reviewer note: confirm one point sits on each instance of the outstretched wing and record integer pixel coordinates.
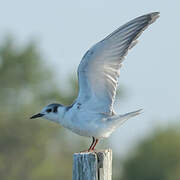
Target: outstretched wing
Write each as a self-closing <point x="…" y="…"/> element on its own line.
<point x="98" y="71"/>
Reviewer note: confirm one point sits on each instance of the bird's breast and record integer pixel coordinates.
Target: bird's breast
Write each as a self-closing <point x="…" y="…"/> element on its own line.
<point x="84" y="122"/>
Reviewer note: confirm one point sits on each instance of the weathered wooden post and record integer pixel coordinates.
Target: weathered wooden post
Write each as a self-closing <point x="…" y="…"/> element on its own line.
<point x="96" y="165"/>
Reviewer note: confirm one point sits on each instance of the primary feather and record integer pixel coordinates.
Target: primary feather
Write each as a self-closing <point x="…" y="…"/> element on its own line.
<point x="98" y="71"/>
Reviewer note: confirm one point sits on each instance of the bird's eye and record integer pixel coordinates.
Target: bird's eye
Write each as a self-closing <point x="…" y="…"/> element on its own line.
<point x="48" y="110"/>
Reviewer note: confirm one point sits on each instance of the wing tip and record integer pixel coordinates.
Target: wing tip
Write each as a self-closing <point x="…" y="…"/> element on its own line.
<point x="140" y="111"/>
<point x="154" y="16"/>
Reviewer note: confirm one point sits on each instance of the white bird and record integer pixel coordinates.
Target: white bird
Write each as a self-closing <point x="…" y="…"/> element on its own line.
<point x="92" y="113"/>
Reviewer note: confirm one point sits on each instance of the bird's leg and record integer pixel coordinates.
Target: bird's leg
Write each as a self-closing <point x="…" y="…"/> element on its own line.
<point x="90" y="148"/>
<point x="96" y="141"/>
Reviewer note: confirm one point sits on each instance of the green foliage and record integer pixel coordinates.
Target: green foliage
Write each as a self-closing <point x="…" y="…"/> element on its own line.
<point x="155" y="158"/>
<point x="30" y="149"/>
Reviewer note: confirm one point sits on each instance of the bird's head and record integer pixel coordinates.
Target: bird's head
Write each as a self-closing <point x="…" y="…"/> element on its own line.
<point x="51" y="112"/>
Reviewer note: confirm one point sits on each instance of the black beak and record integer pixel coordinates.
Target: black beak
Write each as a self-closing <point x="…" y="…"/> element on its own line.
<point x="37" y="116"/>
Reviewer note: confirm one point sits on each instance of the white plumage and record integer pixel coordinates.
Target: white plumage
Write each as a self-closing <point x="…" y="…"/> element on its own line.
<point x="92" y="113"/>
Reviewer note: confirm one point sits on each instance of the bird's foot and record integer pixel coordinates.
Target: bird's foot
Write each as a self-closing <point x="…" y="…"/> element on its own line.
<point x="89" y="150"/>
<point x="84" y="151"/>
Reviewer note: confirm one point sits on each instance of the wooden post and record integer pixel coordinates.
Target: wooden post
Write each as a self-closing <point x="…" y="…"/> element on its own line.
<point x="96" y="165"/>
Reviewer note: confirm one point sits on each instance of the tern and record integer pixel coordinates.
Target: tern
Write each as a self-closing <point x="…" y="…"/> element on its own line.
<point x="92" y="114"/>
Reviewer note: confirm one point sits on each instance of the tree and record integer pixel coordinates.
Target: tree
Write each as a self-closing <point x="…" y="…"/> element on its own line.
<point x="156" y="158"/>
<point x="25" y="145"/>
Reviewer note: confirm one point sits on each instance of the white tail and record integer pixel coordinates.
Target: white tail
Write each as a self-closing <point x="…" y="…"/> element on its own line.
<point x="131" y="114"/>
<point x="120" y="119"/>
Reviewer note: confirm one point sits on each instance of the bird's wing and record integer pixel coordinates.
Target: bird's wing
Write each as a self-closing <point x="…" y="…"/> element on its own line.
<point x="98" y="71"/>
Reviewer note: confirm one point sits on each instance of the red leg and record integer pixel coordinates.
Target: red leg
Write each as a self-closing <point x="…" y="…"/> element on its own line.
<point x="95" y="144"/>
<point x="90" y="148"/>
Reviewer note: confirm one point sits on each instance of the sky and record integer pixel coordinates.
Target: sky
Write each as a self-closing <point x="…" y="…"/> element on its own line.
<point x="66" y="29"/>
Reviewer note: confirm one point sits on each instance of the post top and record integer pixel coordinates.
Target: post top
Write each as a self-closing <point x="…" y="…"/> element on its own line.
<point x="94" y="152"/>
<point x="96" y="165"/>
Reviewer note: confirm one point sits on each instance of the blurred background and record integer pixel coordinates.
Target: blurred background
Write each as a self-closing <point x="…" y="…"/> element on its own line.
<point x="41" y="45"/>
